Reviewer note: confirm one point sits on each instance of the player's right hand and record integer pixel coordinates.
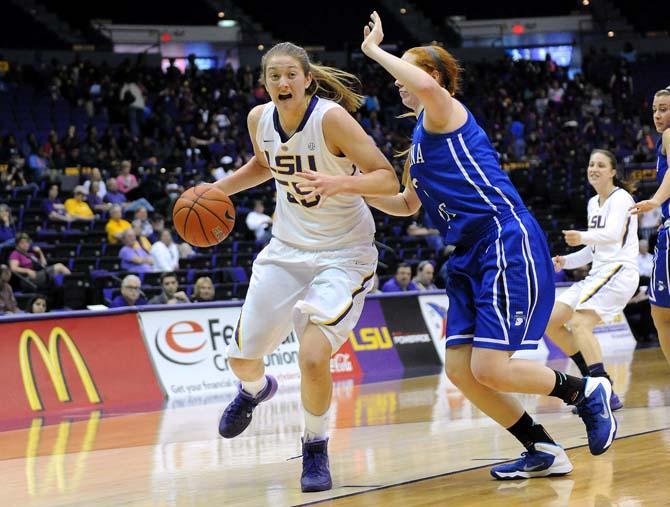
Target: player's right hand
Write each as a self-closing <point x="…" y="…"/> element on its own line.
<point x="373" y="35"/>
<point x="559" y="263"/>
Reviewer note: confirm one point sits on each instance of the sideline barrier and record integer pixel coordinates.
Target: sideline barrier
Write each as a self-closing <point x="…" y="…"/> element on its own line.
<point x="133" y="359"/>
<point x="64" y="364"/>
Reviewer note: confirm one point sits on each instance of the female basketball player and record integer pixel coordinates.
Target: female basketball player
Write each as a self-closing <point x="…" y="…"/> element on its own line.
<point x="316" y="270"/>
<point x="659" y="287"/>
<point x="612" y="246"/>
<point x="499" y="277"/>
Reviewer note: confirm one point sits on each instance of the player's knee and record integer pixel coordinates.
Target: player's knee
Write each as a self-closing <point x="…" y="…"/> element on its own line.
<point x="458" y="372"/>
<point x="313" y="363"/>
<point x="489" y="375"/>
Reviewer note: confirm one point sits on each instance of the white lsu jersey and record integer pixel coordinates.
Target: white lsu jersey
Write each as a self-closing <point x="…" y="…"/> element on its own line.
<point x="343" y="220"/>
<point x="612" y="235"/>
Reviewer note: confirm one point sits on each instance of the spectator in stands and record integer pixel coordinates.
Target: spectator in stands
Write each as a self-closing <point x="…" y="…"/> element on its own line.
<point x="157" y="226"/>
<point x="77" y="207"/>
<point x="126" y="180"/>
<point x="7" y="299"/>
<point x="15" y="178"/>
<point x="131" y="293"/>
<point x="54" y="208"/>
<point x="96" y="175"/>
<point x="402" y="281"/>
<point x="425" y="272"/>
<point x="95" y="201"/>
<point x="29" y="261"/>
<point x="38" y="164"/>
<point x="259" y="223"/>
<point x="133" y="99"/>
<point x="171" y="294"/>
<point x="142" y="219"/>
<point x="645" y="261"/>
<point x="133" y="257"/>
<point x="37" y="304"/>
<point x="424" y="228"/>
<point x="203" y="290"/>
<point x="115" y="196"/>
<point x="116" y="225"/>
<point x="165" y="253"/>
<point x="7" y="229"/>
<point x="141" y="239"/>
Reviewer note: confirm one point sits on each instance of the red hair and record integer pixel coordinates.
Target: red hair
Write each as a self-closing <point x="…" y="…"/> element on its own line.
<point x="437" y="59"/>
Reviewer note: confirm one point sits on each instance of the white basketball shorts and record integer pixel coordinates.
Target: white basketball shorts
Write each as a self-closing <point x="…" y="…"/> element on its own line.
<point x="606" y="292"/>
<point x="290" y="287"/>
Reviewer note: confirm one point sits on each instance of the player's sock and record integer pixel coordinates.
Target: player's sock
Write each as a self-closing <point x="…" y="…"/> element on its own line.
<point x="528" y="432"/>
<point x="578" y="358"/>
<point x="568" y="388"/>
<point x="255" y="387"/>
<point x="598" y="370"/>
<point x="315" y="426"/>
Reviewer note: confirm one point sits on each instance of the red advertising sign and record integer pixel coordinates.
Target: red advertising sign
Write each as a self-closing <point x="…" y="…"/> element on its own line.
<point x="68" y="364"/>
<point x="344" y="364"/>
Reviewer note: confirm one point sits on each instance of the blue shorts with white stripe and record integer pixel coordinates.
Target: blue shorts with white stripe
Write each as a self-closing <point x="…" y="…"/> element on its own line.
<point x="659" y="290"/>
<point x="501" y="288"/>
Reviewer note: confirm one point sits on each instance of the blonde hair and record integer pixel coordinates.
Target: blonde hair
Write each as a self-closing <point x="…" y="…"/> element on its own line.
<point x="199" y="283"/>
<point x="327" y="82"/>
<point x="664" y="91"/>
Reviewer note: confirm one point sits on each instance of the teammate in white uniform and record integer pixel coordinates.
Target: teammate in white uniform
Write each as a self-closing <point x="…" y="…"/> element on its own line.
<point x="612" y="246"/>
<point x="315" y="272"/>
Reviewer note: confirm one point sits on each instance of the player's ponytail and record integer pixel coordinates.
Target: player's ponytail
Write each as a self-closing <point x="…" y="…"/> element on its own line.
<point x="336" y="85"/>
<point x="628" y="186"/>
<point x="327" y="82"/>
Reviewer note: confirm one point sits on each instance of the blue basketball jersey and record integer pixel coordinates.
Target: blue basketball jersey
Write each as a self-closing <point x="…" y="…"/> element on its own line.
<point x="661" y="168"/>
<point x="459" y="181"/>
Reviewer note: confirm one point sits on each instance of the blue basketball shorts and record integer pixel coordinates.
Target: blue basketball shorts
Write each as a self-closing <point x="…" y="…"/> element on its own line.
<point x="501" y="289"/>
<point x="659" y="291"/>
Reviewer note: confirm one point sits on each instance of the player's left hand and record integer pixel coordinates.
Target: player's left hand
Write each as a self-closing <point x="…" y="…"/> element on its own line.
<point x="319" y="185"/>
<point x="644" y="206"/>
<point x="373" y="35"/>
<point x="573" y="238"/>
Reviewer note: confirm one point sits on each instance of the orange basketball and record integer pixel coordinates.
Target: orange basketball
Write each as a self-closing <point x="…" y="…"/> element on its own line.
<point x="203" y="215"/>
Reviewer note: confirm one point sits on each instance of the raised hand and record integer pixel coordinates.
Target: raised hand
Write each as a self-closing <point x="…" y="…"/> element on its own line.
<point x="373" y="35"/>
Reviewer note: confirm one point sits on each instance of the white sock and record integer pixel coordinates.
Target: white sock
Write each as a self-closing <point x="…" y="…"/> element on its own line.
<point x="255" y="387"/>
<point x="316" y="426"/>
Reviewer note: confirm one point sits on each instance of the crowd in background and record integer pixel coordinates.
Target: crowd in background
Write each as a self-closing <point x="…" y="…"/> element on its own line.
<point x="143" y="135"/>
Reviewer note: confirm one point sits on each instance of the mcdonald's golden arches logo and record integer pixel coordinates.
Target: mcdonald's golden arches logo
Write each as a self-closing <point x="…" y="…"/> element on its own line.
<point x="52" y="361"/>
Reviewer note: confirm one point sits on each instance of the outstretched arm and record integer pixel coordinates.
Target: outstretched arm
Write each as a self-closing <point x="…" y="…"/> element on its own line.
<point x="437" y="101"/>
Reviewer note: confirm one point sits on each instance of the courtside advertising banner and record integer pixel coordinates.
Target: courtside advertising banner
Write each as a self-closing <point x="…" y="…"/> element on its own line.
<point x="67" y="365"/>
<point x="188" y="348"/>
<point x="434" y="310"/>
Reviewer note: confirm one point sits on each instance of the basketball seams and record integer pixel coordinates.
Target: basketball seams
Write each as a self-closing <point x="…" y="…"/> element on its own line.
<point x="192" y="198"/>
<point x="219" y="219"/>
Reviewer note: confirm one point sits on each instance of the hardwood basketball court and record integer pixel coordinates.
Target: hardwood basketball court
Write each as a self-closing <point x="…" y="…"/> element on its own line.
<point x="409" y="442"/>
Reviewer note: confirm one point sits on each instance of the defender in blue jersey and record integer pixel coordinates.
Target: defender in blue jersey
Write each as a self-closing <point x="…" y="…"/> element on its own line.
<point x="500" y="276"/>
<point x="659" y="286"/>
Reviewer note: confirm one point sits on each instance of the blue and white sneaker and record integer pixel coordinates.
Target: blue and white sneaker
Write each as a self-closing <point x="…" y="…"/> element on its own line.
<point x="237" y="416"/>
<point x="546" y="460"/>
<point x="597" y="414"/>
<point x="315" y="466"/>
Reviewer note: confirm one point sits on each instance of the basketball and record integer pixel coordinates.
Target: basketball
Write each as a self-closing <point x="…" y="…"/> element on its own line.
<point x="203" y="215"/>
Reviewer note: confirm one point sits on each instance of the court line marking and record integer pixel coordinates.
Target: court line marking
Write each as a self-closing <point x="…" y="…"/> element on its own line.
<point x="446" y="474"/>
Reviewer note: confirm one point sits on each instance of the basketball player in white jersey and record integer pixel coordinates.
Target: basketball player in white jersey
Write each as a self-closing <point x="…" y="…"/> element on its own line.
<point x="612" y="246"/>
<point x="320" y="263"/>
